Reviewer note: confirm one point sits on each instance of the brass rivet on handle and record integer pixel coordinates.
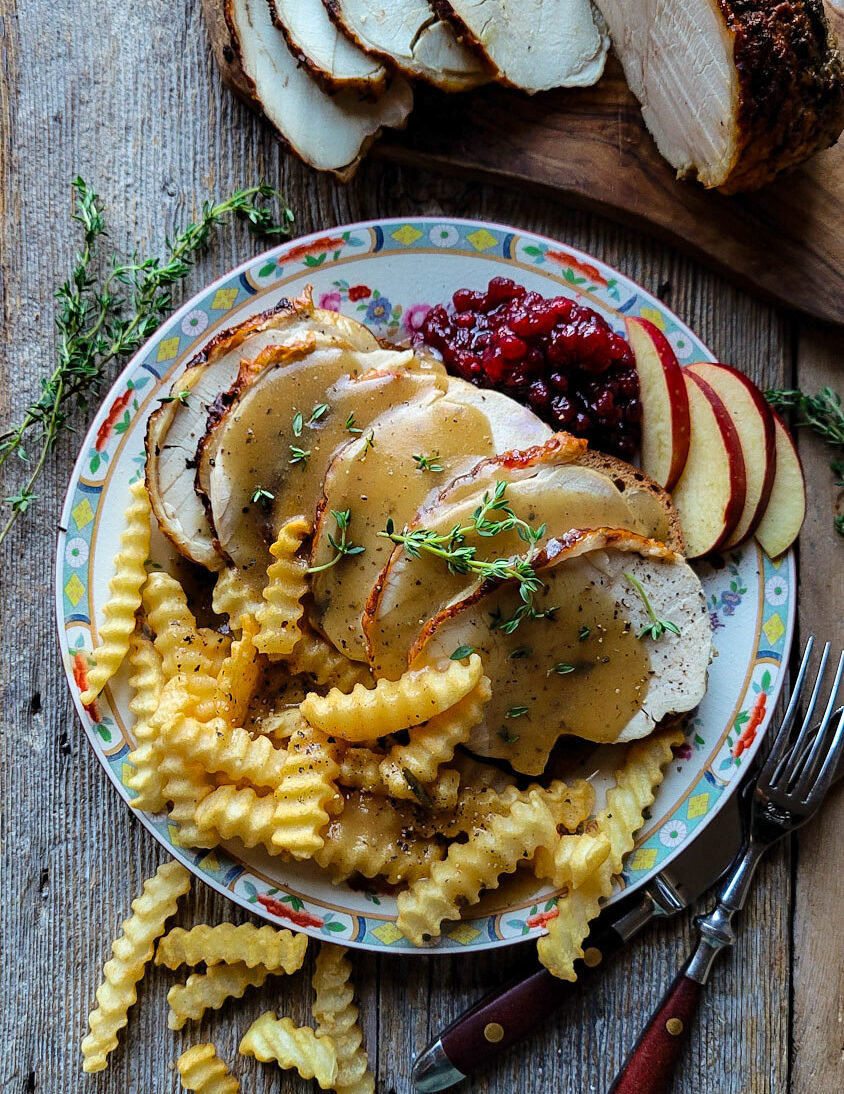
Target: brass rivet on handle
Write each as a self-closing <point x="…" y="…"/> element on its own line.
<point x="674" y="1027"/>
<point x="493" y="1032"/>
<point x="592" y="956"/>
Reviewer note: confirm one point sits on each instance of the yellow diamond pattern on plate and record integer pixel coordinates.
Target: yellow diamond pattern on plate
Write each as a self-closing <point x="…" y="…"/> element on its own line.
<point x="464" y="934"/>
<point x="644" y="859"/>
<point x="82" y="513"/>
<point x="697" y="806"/>
<point x="74" y="590"/>
<point x="223" y="299"/>
<point x="774" y="629"/>
<point x="481" y="239"/>
<point x="209" y="861"/>
<point x="388" y="933"/>
<point x="656" y="317"/>
<point x="168" y="349"/>
<point x="406" y="235"/>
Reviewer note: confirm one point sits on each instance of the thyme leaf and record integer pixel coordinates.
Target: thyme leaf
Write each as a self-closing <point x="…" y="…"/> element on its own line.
<point x="342" y="545"/>
<point x="657" y="627"/>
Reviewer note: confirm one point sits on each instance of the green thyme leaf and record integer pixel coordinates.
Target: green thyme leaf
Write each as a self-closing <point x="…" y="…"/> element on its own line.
<point x="461" y="652"/>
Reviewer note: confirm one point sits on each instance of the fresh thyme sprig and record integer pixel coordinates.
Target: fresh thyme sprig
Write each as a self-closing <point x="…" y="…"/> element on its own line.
<point x="343" y="546"/>
<point x="428" y="463"/>
<point x="657" y="627"/>
<point x="461" y="558"/>
<point x="822" y="413"/>
<point x="101" y="320"/>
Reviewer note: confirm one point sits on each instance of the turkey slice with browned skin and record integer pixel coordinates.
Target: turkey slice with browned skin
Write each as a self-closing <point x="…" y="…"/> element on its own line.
<point x="408" y="35"/>
<point x="586" y="670"/>
<point x="534" y="45"/>
<point x="329" y="132"/>
<point x="329" y="56"/>
<point x="176" y="428"/>
<point x="733" y="92"/>
<point x="376" y="478"/>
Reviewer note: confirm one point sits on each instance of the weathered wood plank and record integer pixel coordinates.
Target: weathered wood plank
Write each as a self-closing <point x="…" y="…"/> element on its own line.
<point x="127" y="95"/>
<point x="818" y="976"/>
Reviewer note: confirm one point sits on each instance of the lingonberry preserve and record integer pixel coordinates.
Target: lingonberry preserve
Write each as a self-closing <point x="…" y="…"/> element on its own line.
<point x="560" y="358"/>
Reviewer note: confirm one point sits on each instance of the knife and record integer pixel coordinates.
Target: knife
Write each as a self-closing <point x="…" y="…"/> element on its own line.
<point x="509" y="1013"/>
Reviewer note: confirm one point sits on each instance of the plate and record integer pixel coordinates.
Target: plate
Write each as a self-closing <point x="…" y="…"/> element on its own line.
<point x="388" y="273"/>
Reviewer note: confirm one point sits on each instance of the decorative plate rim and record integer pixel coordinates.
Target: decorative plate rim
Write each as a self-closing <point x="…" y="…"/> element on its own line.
<point x="193" y="860"/>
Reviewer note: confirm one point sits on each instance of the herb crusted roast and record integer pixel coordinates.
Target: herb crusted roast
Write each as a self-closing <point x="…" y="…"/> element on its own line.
<point x="733" y="91"/>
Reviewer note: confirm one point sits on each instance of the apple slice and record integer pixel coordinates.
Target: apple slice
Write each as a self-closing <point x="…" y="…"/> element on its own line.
<point x="710" y="494"/>
<point x="786" y="509"/>
<point x="665" y="404"/>
<point x="755" y="425"/>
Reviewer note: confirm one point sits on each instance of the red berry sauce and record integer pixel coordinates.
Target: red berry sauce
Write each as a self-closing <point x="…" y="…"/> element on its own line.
<point x="560" y="358"/>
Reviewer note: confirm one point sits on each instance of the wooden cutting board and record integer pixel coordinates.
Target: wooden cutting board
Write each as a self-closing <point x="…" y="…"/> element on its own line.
<point x="590" y="145"/>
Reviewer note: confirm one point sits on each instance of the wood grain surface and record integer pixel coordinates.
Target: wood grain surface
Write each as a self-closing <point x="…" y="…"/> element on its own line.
<point x="127" y="96"/>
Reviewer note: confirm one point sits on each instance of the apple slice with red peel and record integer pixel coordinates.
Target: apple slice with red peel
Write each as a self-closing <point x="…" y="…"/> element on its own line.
<point x="786" y="508"/>
<point x="710" y="494"/>
<point x="755" y="425"/>
<point x="665" y="404"/>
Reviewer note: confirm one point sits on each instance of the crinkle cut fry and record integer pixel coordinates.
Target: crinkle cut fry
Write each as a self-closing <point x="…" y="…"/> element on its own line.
<point x="147" y="680"/>
<point x="636" y="783"/>
<point x="363" y="769"/>
<point x="314" y="656"/>
<point x="305" y="792"/>
<point x="202" y="1070"/>
<point x="177" y="638"/>
<point x="132" y="951"/>
<point x="277" y="1040"/>
<point x="234" y="597"/>
<point x="124" y="594"/>
<point x="239" y="675"/>
<point x="494" y="849"/>
<point x="337" y="1017"/>
<point x="570" y="805"/>
<point x="287" y="584"/>
<point x="571" y="859"/>
<point x="220" y="747"/>
<point x="276" y="950"/>
<point x="392" y="705"/>
<point x="210" y="989"/>
<point x="231" y="812"/>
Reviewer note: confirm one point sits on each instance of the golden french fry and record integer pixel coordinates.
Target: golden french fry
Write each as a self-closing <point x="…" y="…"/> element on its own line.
<point x="132" y="951"/>
<point x="210" y="989"/>
<point x="374" y="835"/>
<point x="570" y="860"/>
<point x="124" y="594"/>
<point x="218" y="746"/>
<point x="186" y="784"/>
<point x="231" y="812"/>
<point x="176" y="636"/>
<point x="276" y="950"/>
<point x="494" y="849"/>
<point x="239" y="675"/>
<point x="286" y="586"/>
<point x="234" y="597"/>
<point x="306" y="788"/>
<point x="315" y="657"/>
<point x="147" y="679"/>
<point x="636" y="783"/>
<point x="433" y="743"/>
<point x="277" y="1040"/>
<point x="569" y="804"/>
<point x="217" y="647"/>
<point x="337" y="1017"/>
<point x="363" y="769"/>
<point x="202" y="1070"/>
<point x="280" y="725"/>
<point x="392" y="705"/>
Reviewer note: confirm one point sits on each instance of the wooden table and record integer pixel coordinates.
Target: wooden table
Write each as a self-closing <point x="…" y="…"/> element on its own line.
<point x="127" y="96"/>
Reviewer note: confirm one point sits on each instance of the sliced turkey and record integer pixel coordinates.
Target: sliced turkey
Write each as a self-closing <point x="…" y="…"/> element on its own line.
<point x="329" y="56"/>
<point x="534" y="44"/>
<point x="584" y="671"/>
<point x="733" y="92"/>
<point x="175" y="429"/>
<point x="410" y="36"/>
<point x="329" y="132"/>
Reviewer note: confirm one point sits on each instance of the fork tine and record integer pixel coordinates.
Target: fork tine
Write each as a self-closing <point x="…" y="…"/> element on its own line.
<point x="826" y="773"/>
<point x="781" y="740"/>
<point x="803" y="784"/>
<point x="806" y="728"/>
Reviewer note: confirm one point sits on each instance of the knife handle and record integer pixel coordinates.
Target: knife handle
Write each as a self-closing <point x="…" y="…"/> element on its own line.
<point x="651" y="1065"/>
<point x="509" y="1013"/>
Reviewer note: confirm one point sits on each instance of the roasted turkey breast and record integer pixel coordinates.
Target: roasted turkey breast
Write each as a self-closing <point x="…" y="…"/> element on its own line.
<point x="733" y="91"/>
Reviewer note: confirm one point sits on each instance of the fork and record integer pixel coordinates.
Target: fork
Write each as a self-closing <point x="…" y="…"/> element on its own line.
<point x="789" y="789"/>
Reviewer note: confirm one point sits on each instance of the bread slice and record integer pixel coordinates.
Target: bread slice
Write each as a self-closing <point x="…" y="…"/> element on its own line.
<point x="648" y="500"/>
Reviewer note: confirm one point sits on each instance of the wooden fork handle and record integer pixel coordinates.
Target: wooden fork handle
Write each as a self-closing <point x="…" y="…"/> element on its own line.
<point x="651" y="1065"/>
